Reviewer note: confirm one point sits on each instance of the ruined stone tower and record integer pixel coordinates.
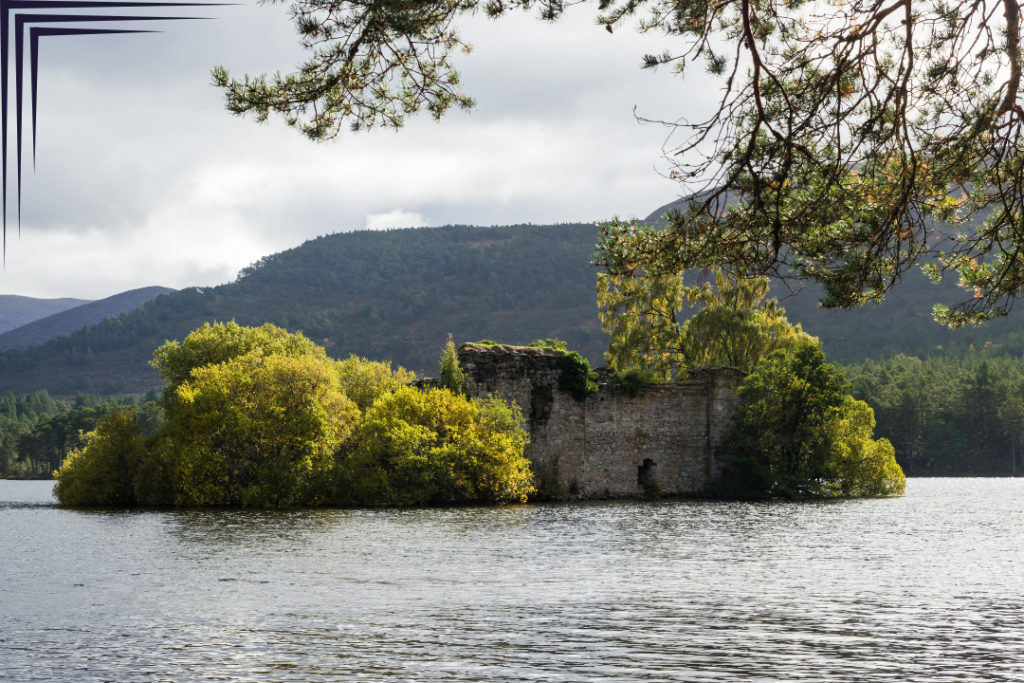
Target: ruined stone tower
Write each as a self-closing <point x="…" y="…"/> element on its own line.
<point x="610" y="443"/>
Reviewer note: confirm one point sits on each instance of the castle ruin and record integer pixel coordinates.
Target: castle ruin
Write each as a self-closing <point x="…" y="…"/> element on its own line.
<point x="610" y="444"/>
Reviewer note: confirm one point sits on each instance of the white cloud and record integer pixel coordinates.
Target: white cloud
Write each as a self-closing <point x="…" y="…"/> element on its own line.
<point x="148" y="181"/>
<point x="395" y="219"/>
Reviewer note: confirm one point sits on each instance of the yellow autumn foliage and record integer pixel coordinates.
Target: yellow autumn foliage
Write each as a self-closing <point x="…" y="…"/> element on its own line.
<point x="259" y="417"/>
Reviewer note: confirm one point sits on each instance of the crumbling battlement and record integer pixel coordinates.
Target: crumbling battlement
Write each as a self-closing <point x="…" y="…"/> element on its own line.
<point x="611" y="443"/>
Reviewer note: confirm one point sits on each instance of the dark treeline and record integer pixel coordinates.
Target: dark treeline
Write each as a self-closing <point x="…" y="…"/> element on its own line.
<point x="902" y="323"/>
<point x="37" y="433"/>
<point x="948" y="415"/>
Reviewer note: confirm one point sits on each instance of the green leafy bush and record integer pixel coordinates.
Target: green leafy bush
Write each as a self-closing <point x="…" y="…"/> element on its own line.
<point x="798" y="434"/>
<point x="222" y="342"/>
<point x="548" y="486"/>
<point x="103" y="473"/>
<point x="259" y="430"/>
<point x="157" y="476"/>
<point x="633" y="381"/>
<point x="428" y="447"/>
<point x="575" y="376"/>
<point x="257" y="417"/>
<point x="364" y="381"/>
<point x="552" y="344"/>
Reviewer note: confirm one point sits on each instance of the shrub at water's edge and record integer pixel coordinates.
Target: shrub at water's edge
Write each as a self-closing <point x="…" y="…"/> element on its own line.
<point x="435" y="447"/>
<point x="258" y="417"/>
<point x="103" y="473"/>
<point x="259" y="430"/>
<point x="797" y="433"/>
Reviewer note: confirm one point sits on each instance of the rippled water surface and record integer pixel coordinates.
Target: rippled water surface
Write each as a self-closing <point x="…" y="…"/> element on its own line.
<point x="929" y="587"/>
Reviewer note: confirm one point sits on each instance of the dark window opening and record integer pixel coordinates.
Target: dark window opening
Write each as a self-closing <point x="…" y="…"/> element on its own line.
<point x="645" y="472"/>
<point x="541" y="400"/>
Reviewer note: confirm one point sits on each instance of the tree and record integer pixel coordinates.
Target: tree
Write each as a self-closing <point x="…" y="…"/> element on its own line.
<point x="852" y="141"/>
<point x="259" y="430"/>
<point x="103" y="473"/>
<point x="733" y="324"/>
<point x="417" y="447"/>
<point x="258" y="417"/>
<point x="797" y="433"/>
<point x="1011" y="413"/>
<point x="364" y="381"/>
<point x="948" y="415"/>
<point x="222" y="342"/>
<point x="642" y="316"/>
<point x="863" y="467"/>
<point x="452" y="376"/>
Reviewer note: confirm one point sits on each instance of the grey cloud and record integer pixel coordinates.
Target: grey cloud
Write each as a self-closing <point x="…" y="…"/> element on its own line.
<point x="137" y="153"/>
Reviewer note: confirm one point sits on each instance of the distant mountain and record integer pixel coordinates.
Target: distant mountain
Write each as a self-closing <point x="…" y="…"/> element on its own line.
<point x="392" y="295"/>
<point x="74" y="318"/>
<point x="397" y="294"/>
<point x="657" y="217"/>
<point x="16" y="311"/>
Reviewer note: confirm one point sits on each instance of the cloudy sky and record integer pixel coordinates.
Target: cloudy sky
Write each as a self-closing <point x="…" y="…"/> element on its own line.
<point x="144" y="179"/>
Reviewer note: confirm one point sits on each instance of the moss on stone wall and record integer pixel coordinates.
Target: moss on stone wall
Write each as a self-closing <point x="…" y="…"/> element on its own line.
<point x="575" y="376"/>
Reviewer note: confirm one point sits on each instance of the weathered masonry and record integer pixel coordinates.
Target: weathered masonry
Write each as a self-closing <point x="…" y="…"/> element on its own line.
<point x="611" y="443"/>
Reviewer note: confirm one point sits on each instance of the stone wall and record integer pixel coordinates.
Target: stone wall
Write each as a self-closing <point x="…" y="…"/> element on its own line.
<point x="610" y="444"/>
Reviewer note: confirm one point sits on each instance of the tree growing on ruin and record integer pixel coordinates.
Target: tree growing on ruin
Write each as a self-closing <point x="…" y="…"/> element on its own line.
<point x="731" y="323"/>
<point x="452" y="376"/>
<point x="853" y="140"/>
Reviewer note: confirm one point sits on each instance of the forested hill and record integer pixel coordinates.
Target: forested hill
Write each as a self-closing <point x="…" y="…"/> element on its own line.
<point x="397" y="294"/>
<point x="393" y="294"/>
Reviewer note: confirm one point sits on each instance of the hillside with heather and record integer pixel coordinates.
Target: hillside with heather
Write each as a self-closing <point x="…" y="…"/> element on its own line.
<point x="397" y="295"/>
<point x="393" y="295"/>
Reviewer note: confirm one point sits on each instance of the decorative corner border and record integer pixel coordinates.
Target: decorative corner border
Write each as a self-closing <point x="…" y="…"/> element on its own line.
<point x="29" y="19"/>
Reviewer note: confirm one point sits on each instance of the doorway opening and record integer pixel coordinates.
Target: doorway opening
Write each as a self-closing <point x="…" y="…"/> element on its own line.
<point x="645" y="473"/>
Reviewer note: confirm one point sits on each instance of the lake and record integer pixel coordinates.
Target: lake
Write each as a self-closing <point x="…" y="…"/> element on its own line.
<point x="928" y="587"/>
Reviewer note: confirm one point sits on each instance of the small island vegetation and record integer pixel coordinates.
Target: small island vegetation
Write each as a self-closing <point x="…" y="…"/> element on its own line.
<point x="797" y="432"/>
<point x="260" y="417"/>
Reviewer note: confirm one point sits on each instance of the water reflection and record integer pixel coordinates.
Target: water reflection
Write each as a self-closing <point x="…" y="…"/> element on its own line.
<point x="923" y="588"/>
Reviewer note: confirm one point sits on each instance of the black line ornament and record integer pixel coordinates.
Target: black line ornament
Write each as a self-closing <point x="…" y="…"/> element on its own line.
<point x="23" y="21"/>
